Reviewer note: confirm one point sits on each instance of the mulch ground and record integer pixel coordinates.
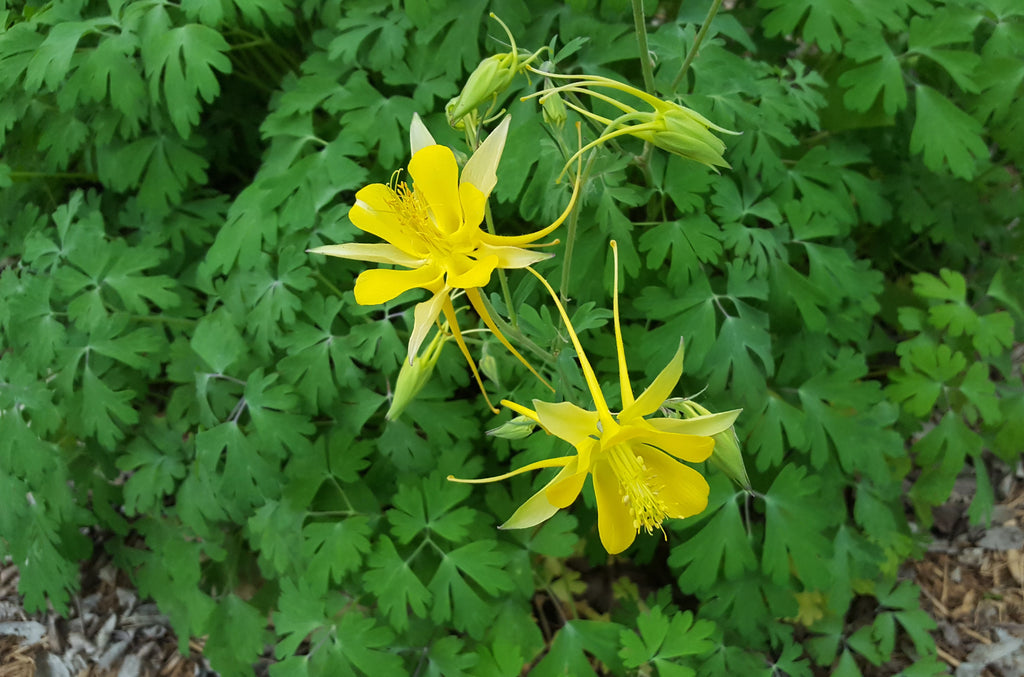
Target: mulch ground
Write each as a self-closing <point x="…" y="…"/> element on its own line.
<point x="971" y="579"/>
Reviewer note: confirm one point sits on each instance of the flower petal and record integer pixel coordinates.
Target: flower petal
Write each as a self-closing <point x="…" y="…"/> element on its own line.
<point x="537" y="508"/>
<point x="374" y="212"/>
<point x="658" y="391"/>
<point x="701" y="425"/>
<point x="692" y="448"/>
<point x="684" y="490"/>
<point x="419" y="136"/>
<point x="424" y="316"/>
<point x="381" y="285"/>
<point x="565" y="490"/>
<point x="480" y="170"/>
<point x="512" y="257"/>
<point x="435" y="176"/>
<point x="567" y="421"/>
<point x="375" y="253"/>
<point x="474" y="203"/>
<point x="476" y="274"/>
<point x="521" y="410"/>
<point x="614" y="523"/>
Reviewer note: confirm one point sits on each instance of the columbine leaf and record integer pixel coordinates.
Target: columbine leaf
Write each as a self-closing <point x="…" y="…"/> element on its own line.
<point x="397" y="588"/>
<point x="183" y="59"/>
<point x="946" y="135"/>
<point x="720" y="549"/>
<point x="795" y="526"/>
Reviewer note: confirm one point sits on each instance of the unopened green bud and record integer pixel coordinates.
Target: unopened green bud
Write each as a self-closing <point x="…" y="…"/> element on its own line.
<point x="489" y="367"/>
<point x="727" y="455"/>
<point x="553" y="109"/>
<point x="514" y="429"/>
<point x="413" y="376"/>
<point x="685" y="133"/>
<point x="490" y="78"/>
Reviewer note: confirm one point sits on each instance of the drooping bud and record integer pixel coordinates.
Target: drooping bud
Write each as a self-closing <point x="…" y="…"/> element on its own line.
<point x="686" y="133"/>
<point x="727" y="455"/>
<point x="553" y="109"/>
<point x="514" y="429"/>
<point x="414" y="375"/>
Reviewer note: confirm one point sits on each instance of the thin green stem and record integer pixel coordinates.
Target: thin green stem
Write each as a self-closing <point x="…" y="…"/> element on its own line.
<point x="327" y="283"/>
<point x="696" y="44"/>
<point x="473" y="141"/>
<point x="640" y="26"/>
<point x="20" y="176"/>
<point x="502" y="279"/>
<point x="570" y="235"/>
<point x="186" y="321"/>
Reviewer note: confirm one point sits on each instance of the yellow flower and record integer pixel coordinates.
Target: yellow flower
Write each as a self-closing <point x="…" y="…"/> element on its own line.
<point x="637" y="478"/>
<point x="432" y="233"/>
<point x="667" y="125"/>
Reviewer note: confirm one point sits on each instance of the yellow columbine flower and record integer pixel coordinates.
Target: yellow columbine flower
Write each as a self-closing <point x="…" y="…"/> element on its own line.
<point x="432" y="233"/>
<point x="667" y="125"/>
<point x="632" y="459"/>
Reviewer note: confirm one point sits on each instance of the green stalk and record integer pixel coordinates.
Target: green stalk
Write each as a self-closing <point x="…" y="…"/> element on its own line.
<point x="640" y="26"/>
<point x="696" y="43"/>
<point x="473" y="141"/>
<point x="502" y="279"/>
<point x="570" y="236"/>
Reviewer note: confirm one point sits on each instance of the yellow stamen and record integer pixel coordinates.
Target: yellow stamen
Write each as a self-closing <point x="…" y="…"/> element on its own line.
<point x="639" y="489"/>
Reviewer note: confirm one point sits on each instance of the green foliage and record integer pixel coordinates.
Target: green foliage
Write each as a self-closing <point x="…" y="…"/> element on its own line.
<point x="180" y="376"/>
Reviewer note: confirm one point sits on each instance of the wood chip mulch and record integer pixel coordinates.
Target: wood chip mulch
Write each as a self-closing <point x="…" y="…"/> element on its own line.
<point x="972" y="583"/>
<point x="108" y="632"/>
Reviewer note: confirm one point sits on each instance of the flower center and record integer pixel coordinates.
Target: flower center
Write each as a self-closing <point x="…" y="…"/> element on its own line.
<point x="413" y="213"/>
<point x="639" y="488"/>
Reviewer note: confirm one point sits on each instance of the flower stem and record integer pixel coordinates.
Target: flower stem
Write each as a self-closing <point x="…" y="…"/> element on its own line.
<point x="640" y="26"/>
<point x="696" y="43"/>
<point x="502" y="280"/>
<point x="473" y="140"/>
<point x="514" y="332"/>
<point x="327" y="283"/>
<point x="570" y="236"/>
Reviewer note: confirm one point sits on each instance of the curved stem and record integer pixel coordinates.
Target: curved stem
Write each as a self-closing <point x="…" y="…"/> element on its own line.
<point x="570" y="236"/>
<point x="514" y="332"/>
<point x="473" y="140"/>
<point x="640" y="26"/>
<point x="696" y="43"/>
<point x="502" y="278"/>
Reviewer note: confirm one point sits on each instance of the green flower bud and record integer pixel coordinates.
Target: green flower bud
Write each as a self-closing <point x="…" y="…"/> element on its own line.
<point x="685" y="133"/>
<point x="553" y="108"/>
<point x="514" y="429"/>
<point x="727" y="455"/>
<point x="413" y="376"/>
<point x="490" y="78"/>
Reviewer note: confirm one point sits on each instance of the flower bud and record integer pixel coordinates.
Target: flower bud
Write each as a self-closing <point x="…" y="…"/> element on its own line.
<point x="727" y="455"/>
<point x="685" y="133"/>
<point x="553" y="108"/>
<point x="414" y="375"/>
<point x="490" y="78"/>
<point x="514" y="429"/>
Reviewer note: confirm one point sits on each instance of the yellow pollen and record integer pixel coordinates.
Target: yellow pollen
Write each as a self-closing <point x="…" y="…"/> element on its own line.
<point x="413" y="213"/>
<point x="639" y="488"/>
